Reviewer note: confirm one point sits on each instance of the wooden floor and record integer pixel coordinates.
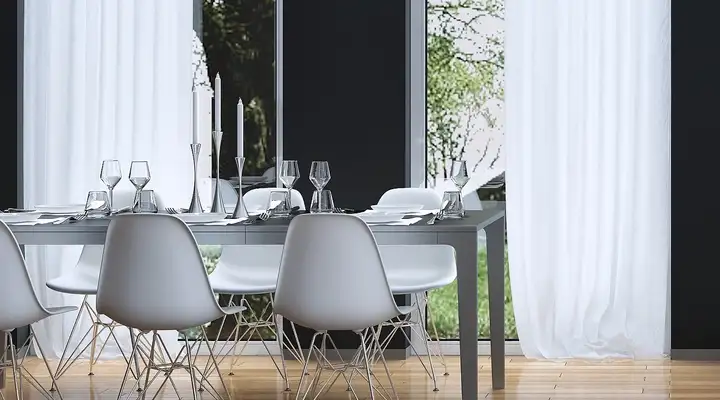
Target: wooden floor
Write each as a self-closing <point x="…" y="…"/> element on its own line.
<point x="255" y="378"/>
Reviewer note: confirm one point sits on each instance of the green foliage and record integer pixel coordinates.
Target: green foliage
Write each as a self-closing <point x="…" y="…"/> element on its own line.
<point x="463" y="74"/>
<point x="239" y="40"/>
<point x="444" y="307"/>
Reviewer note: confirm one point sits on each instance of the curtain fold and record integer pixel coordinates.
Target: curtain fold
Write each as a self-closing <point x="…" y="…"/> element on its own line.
<point x="103" y="79"/>
<point x="588" y="175"/>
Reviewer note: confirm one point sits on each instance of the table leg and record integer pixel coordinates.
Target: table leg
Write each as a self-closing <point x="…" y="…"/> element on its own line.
<point x="2" y="352"/>
<point x="495" y="234"/>
<point x="465" y="244"/>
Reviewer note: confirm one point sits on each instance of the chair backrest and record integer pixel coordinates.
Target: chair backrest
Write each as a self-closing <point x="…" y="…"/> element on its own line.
<point x="331" y="275"/>
<point x="91" y="255"/>
<point x="152" y="275"/>
<point x="427" y="197"/>
<point x="19" y="306"/>
<point x="257" y="199"/>
<point x="270" y="174"/>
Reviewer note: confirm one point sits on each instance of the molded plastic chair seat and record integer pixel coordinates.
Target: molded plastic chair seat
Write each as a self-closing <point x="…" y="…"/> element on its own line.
<point x="413" y="269"/>
<point x="78" y="281"/>
<point x="245" y="270"/>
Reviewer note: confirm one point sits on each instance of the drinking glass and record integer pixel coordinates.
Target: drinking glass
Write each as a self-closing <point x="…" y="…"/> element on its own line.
<point x="459" y="174"/>
<point x="139" y="176"/>
<point x="319" y="174"/>
<point x="289" y="175"/>
<point x="145" y="202"/>
<point x="97" y="204"/>
<point x="460" y="177"/>
<point x="322" y="202"/>
<point x="283" y="208"/>
<point x="453" y="209"/>
<point x="110" y="175"/>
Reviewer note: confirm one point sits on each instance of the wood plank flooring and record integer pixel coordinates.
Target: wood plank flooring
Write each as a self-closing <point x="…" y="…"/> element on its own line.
<point x="256" y="378"/>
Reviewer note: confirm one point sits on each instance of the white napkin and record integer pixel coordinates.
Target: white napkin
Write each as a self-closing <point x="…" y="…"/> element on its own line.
<point x="220" y="223"/>
<point x="402" y="222"/>
<point x="420" y="213"/>
<point x="40" y="221"/>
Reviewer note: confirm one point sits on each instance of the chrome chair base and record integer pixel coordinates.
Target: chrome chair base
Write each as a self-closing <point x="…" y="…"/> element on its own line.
<point x="15" y="363"/>
<point x="185" y="360"/>
<point x="359" y="365"/>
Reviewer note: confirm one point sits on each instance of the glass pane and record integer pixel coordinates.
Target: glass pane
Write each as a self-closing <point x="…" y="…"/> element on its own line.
<point x="238" y="42"/>
<point x="465" y="120"/>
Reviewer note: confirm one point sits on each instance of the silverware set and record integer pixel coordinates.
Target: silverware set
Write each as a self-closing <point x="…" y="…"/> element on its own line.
<point x="439" y="214"/>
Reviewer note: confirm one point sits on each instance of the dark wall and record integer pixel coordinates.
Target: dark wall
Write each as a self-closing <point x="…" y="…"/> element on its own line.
<point x="9" y="109"/>
<point x="344" y="102"/>
<point x="344" y="95"/>
<point x="695" y="145"/>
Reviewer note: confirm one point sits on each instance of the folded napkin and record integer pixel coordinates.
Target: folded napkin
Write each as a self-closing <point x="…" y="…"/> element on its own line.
<point x="40" y="221"/>
<point x="402" y="222"/>
<point x="220" y="223"/>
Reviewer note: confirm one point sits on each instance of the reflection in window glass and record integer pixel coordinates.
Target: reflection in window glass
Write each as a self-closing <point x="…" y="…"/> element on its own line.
<point x="238" y="42"/>
<point x="465" y="120"/>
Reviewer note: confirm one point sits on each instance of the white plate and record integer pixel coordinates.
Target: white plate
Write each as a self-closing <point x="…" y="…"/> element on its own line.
<point x="398" y="208"/>
<point x="201" y="218"/>
<point x="61" y="209"/>
<point x="12" y="218"/>
<point x="379" y="218"/>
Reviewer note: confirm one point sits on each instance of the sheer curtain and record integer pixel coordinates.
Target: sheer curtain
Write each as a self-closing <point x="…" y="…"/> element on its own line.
<point x="103" y="79"/>
<point x="588" y="175"/>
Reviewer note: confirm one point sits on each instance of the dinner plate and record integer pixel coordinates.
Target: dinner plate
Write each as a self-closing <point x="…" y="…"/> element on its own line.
<point x="12" y="218"/>
<point x="201" y="218"/>
<point x="61" y="209"/>
<point x="374" y="218"/>
<point x="398" y="208"/>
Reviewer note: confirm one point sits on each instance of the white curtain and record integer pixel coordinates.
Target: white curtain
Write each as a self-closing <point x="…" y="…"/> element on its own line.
<point x="588" y="175"/>
<point x="103" y="79"/>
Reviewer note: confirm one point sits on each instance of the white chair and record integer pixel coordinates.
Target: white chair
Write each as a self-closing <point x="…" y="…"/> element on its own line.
<point x="415" y="271"/>
<point x="19" y="307"/>
<point x="429" y="198"/>
<point x="227" y="191"/>
<point x="153" y="279"/>
<point x="244" y="271"/>
<point x="251" y="270"/>
<point x="258" y="199"/>
<point x="83" y="280"/>
<point x="332" y="278"/>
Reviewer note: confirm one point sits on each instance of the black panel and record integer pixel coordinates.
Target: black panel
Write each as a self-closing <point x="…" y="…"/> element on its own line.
<point x="344" y="101"/>
<point x="695" y="145"/>
<point x="344" y="94"/>
<point x="9" y="110"/>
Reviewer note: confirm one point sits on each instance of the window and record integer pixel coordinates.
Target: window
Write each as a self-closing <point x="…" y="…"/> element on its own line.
<point x="238" y="42"/>
<point x="465" y="120"/>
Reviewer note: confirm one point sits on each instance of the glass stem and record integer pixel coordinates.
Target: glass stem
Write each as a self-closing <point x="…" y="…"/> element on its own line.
<point x="110" y="196"/>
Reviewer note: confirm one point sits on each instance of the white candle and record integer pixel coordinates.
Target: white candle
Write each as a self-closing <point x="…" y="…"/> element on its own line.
<point x="218" y="101"/>
<point x="240" y="128"/>
<point x="196" y="117"/>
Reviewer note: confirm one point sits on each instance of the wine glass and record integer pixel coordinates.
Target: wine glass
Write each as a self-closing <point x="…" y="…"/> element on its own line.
<point x="110" y="175"/>
<point x="139" y="176"/>
<point x="289" y="174"/>
<point x="459" y="176"/>
<point x="319" y="175"/>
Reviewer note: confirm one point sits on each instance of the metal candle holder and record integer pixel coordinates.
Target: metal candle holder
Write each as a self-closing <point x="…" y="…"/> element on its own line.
<point x="195" y="205"/>
<point x="240" y="210"/>
<point x="217" y="204"/>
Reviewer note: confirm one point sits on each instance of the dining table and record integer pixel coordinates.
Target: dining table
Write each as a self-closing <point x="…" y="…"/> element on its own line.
<point x="461" y="234"/>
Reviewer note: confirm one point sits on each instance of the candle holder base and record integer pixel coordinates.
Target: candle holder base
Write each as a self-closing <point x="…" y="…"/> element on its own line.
<point x="240" y="209"/>
<point x="195" y="205"/>
<point x="218" y="205"/>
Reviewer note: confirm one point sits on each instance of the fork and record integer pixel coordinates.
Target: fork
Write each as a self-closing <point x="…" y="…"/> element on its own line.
<point x="439" y="214"/>
<point x="171" y="210"/>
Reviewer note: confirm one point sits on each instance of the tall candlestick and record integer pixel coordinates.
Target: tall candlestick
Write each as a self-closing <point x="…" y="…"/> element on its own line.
<point x="196" y="117"/>
<point x="218" y="101"/>
<point x="240" y="129"/>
